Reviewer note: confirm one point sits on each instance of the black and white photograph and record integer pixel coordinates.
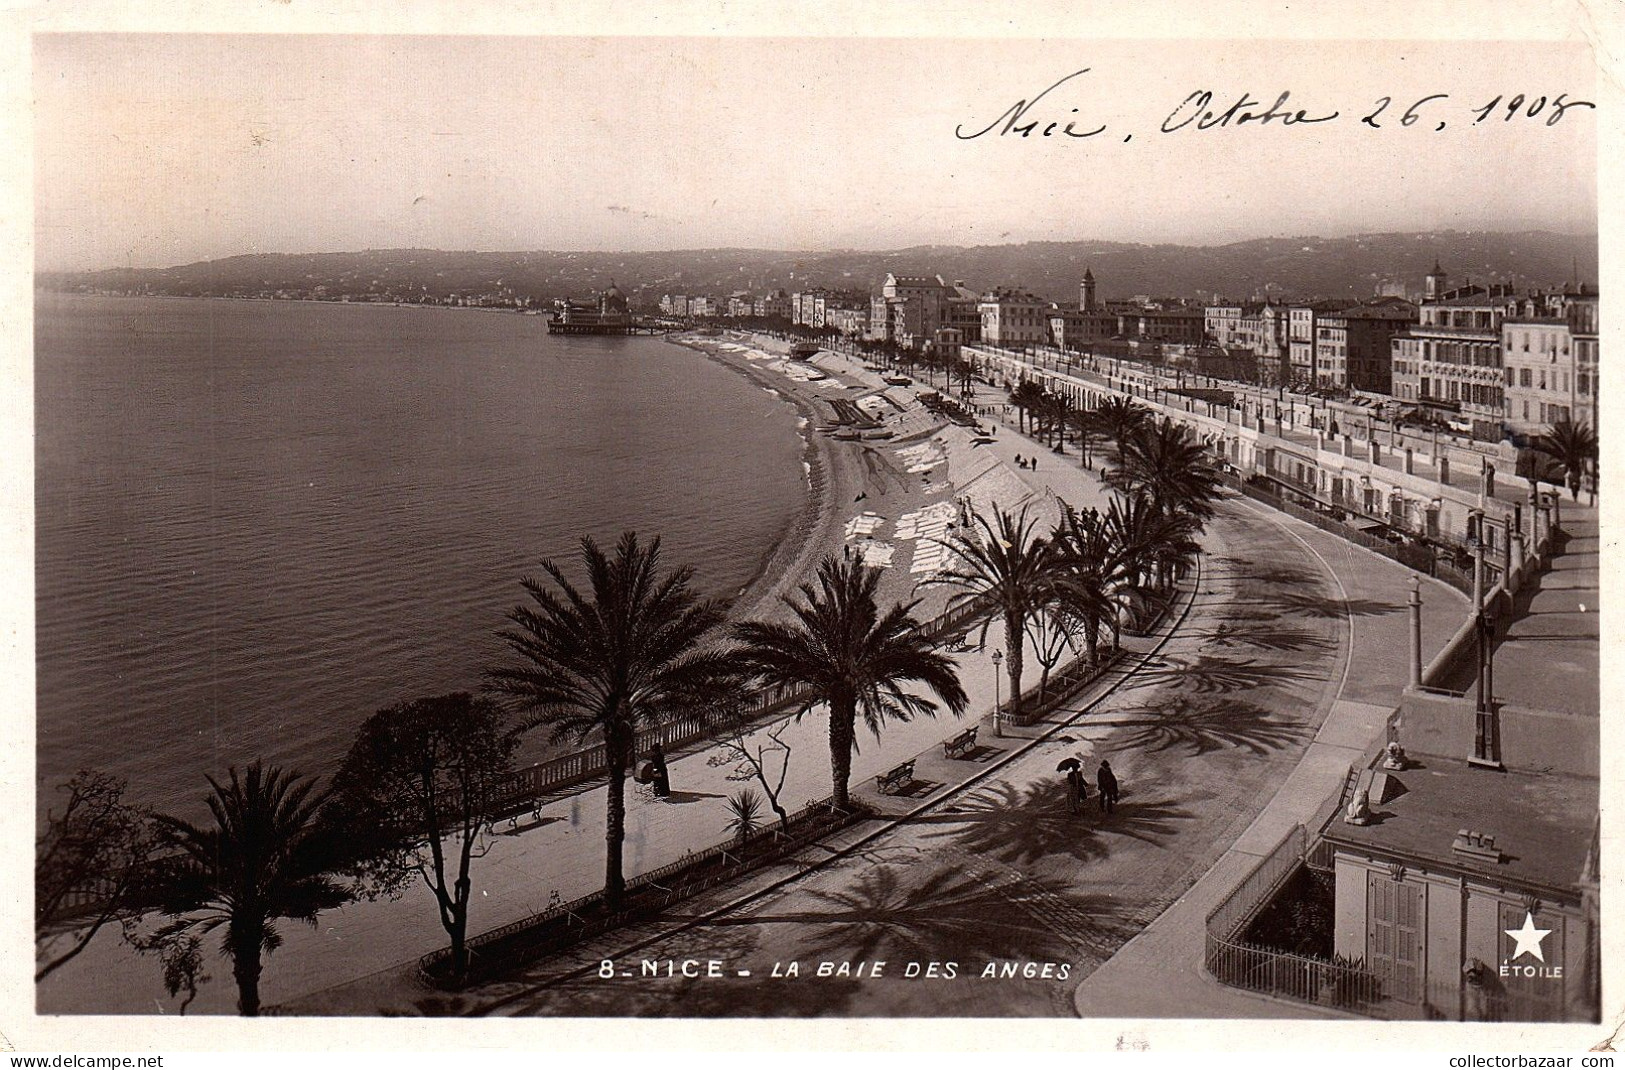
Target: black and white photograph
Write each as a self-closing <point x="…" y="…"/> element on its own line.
<point x="814" y="522"/>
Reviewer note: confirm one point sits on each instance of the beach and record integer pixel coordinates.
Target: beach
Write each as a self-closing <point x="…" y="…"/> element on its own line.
<point x="894" y="499"/>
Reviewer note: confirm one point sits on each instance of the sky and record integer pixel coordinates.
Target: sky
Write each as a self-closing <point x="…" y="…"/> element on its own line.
<point x="154" y="150"/>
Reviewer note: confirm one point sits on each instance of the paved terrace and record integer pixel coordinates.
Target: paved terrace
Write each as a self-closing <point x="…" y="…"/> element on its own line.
<point x="1550" y="656"/>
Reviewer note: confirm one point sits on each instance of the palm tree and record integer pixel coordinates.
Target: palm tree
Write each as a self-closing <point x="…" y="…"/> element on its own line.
<point x="1119" y="418"/>
<point x="965" y="375"/>
<point x="1152" y="545"/>
<point x="261" y="860"/>
<point x="1169" y="463"/>
<point x="1086" y="424"/>
<point x="1027" y="396"/>
<point x="844" y="652"/>
<point x="635" y="649"/>
<point x="1089" y="574"/>
<point x="1572" y="445"/>
<point x="1008" y="569"/>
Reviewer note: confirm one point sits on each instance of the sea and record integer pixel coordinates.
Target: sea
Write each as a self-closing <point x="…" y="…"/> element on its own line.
<point x="258" y="522"/>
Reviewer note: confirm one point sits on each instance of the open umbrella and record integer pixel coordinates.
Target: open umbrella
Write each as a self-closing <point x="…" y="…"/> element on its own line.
<point x="1068" y="764"/>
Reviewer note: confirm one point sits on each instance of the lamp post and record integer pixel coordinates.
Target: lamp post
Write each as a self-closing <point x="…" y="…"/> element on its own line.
<point x="998" y="662"/>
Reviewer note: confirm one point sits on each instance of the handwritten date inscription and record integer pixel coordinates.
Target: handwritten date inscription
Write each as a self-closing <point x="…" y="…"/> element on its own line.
<point x="1053" y="113"/>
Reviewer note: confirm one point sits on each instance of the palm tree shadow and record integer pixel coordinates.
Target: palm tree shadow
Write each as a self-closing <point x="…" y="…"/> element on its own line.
<point x="1206" y="726"/>
<point x="1019" y="826"/>
<point x="955" y="911"/>
<point x="1245" y="571"/>
<point x="1282" y="639"/>
<point x="1328" y="607"/>
<point x="1209" y="675"/>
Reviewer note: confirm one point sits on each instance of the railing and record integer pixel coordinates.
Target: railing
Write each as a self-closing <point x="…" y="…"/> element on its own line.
<point x="1238" y="963"/>
<point x="1246" y="899"/>
<point x="1416" y="557"/>
<point x="1304" y="978"/>
<point x="584" y="920"/>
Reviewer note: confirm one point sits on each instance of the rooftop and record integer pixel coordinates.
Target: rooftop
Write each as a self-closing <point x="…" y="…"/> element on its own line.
<point x="1542" y="822"/>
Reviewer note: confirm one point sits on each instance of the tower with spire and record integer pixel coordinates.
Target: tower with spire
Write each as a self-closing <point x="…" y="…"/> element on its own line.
<point x="1086" y="292"/>
<point x="1436" y="280"/>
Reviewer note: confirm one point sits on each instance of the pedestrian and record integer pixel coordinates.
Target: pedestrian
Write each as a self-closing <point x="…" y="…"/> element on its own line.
<point x="662" y="780"/>
<point x="1019" y="464"/>
<point x="1106" y="780"/>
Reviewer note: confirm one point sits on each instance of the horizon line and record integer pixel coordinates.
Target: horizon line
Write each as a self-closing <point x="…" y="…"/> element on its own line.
<point x="838" y="251"/>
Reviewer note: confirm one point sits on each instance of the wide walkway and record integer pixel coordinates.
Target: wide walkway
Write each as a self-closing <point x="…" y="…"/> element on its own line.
<point x="1549" y="658"/>
<point x="1275" y="684"/>
<point x="1159" y="973"/>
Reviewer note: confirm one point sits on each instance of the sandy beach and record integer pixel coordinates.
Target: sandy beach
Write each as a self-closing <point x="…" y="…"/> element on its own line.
<point x="892" y="499"/>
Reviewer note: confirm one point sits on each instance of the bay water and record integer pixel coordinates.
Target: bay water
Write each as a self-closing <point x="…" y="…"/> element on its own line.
<point x="258" y="522"/>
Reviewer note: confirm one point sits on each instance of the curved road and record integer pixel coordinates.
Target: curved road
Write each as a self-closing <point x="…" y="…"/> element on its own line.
<point x="1002" y="877"/>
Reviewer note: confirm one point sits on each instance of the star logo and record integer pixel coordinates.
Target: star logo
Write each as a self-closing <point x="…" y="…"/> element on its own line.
<point x="1528" y="938"/>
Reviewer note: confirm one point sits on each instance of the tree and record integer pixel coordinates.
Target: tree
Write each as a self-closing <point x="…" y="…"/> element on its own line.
<point x="260" y="861"/>
<point x="1027" y="396"/>
<point x="1152" y="544"/>
<point x="1572" y="445"/>
<point x="1087" y="427"/>
<point x="1119" y="417"/>
<point x="1089" y="573"/>
<point x="1008" y="569"/>
<point x="762" y="756"/>
<point x="419" y="784"/>
<point x="88" y="864"/>
<point x="638" y="647"/>
<point x="965" y="375"/>
<point x="1167" y="462"/>
<point x="1051" y="630"/>
<point x="844" y="652"/>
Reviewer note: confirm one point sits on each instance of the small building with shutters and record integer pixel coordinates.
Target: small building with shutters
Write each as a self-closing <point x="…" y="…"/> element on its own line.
<point x="1472" y="891"/>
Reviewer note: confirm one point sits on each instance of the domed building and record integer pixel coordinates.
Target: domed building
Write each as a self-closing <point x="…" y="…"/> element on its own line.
<point x="609" y="314"/>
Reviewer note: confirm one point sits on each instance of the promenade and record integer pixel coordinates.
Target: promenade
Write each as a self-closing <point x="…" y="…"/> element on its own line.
<point x="1281" y="674"/>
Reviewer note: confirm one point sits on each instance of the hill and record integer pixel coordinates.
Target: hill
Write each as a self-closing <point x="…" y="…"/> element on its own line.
<point x="1353" y="266"/>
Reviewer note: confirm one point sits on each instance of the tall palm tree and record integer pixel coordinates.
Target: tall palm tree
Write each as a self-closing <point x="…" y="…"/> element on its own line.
<point x="844" y="652"/>
<point x="965" y="375"/>
<point x="261" y="860"/>
<point x="1572" y="445"/>
<point x="1053" y="410"/>
<point x="1008" y="568"/>
<point x="1153" y="545"/>
<point x="1119" y="417"/>
<point x="1027" y="396"/>
<point x="1086" y="423"/>
<point x="1089" y="573"/>
<point x="1169" y="463"/>
<point x="634" y="649"/>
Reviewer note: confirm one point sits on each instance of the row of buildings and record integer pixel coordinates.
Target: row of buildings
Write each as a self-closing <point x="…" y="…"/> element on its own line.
<point x="1475" y="354"/>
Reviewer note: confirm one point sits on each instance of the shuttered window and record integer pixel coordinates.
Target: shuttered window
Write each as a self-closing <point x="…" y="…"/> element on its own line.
<point x="1394" y="933"/>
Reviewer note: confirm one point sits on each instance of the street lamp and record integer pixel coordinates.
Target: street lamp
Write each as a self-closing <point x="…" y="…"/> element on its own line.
<point x="998" y="661"/>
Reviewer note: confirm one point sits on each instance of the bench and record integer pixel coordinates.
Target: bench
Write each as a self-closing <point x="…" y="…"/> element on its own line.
<point x="960" y="745"/>
<point x="891" y="780"/>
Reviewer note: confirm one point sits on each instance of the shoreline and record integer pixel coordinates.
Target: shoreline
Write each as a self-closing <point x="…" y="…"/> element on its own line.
<point x="816" y="531"/>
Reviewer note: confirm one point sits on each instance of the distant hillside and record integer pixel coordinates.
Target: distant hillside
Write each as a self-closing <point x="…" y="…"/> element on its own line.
<point x="1334" y="267"/>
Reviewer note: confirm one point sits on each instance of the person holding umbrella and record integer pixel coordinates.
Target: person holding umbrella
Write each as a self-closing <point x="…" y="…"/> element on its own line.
<point x="1077" y="791"/>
